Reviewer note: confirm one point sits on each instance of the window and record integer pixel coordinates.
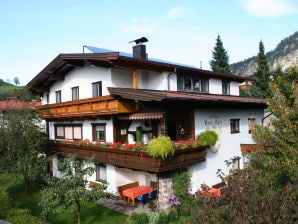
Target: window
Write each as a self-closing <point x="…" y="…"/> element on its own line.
<point x="96" y="89"/>
<point x="101" y="172"/>
<point x="58" y="96"/>
<point x="59" y="132"/>
<point x="99" y="132"/>
<point x="234" y="125"/>
<point x="68" y="131"/>
<point x="225" y="88"/>
<point x="75" y="93"/>
<point x="251" y="124"/>
<point x="235" y="162"/>
<point x="194" y="84"/>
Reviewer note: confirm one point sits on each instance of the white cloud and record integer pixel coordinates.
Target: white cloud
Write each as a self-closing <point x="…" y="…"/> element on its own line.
<point x="177" y="12"/>
<point x="269" y="8"/>
<point x="141" y="26"/>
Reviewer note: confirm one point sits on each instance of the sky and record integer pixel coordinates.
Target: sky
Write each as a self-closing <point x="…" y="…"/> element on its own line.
<point x="34" y="32"/>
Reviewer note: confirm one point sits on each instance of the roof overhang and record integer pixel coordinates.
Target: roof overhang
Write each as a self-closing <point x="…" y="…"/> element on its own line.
<point x="144" y="95"/>
<point x="64" y="63"/>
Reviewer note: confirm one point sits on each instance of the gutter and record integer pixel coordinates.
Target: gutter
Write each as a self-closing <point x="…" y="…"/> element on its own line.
<point x="168" y="77"/>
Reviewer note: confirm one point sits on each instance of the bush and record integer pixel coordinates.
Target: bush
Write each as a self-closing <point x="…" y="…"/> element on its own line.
<point x="5" y="204"/>
<point x="159" y="218"/>
<point x="139" y="135"/>
<point x="21" y="216"/>
<point x="161" y="147"/>
<point x="138" y="218"/>
<point x="173" y="215"/>
<point x="208" y="137"/>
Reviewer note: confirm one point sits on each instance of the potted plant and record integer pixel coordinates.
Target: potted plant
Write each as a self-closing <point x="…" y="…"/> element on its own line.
<point x="161" y="146"/>
<point x="208" y="138"/>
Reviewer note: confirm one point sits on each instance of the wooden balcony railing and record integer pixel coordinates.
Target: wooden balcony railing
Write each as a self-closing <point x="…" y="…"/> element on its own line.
<point x="104" y="105"/>
<point x="129" y="159"/>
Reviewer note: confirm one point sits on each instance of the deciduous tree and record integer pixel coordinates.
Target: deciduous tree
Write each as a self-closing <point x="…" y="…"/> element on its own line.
<point x="16" y="80"/>
<point x="70" y="190"/>
<point x="266" y="191"/>
<point x="22" y="144"/>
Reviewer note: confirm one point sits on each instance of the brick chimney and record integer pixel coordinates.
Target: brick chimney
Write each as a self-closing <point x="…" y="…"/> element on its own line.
<point x="139" y="51"/>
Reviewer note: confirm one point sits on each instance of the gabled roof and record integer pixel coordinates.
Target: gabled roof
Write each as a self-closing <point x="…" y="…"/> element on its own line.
<point x="64" y="63"/>
<point x="144" y="95"/>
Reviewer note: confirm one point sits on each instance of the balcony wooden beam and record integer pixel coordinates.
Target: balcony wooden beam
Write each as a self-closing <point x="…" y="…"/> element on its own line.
<point x="129" y="159"/>
<point x="92" y="107"/>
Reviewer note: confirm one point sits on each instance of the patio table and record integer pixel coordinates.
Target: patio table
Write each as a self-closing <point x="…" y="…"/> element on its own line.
<point x="134" y="192"/>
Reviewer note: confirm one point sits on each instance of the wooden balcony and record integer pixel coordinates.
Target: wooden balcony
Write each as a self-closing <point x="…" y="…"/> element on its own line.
<point x="129" y="159"/>
<point x="105" y="105"/>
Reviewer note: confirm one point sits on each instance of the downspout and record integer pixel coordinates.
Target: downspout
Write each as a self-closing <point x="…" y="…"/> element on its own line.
<point x="168" y="78"/>
<point x="265" y="118"/>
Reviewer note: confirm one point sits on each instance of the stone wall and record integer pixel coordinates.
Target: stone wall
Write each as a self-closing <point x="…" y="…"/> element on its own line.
<point x="165" y="190"/>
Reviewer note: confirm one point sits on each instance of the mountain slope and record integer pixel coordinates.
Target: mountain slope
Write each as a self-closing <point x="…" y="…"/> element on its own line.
<point x="7" y="89"/>
<point x="284" y="55"/>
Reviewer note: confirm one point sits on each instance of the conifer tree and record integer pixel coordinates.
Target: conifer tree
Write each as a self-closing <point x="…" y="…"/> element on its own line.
<point x="260" y="87"/>
<point x="220" y="62"/>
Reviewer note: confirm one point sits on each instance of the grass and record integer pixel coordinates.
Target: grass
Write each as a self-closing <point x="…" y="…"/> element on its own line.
<point x="7" y="88"/>
<point x="91" y="213"/>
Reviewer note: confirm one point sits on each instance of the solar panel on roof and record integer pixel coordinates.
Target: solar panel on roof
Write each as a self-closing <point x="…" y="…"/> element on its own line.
<point x="98" y="50"/>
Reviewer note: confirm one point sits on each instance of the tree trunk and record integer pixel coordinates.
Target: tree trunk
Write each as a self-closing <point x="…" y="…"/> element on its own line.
<point x="27" y="186"/>
<point x="78" y="211"/>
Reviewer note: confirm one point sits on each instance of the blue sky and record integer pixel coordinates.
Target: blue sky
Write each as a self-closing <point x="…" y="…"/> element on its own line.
<point x="34" y="32"/>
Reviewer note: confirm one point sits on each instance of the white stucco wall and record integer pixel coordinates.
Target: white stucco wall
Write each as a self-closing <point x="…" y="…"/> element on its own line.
<point x="215" y="86"/>
<point x="116" y="77"/>
<point x="234" y="88"/>
<point x="125" y="176"/>
<point x="82" y="77"/>
<point x="157" y="81"/>
<point x="229" y="144"/>
<point x="121" y="78"/>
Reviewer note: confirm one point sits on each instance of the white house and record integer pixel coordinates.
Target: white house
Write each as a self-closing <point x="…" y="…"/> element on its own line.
<point x="103" y="96"/>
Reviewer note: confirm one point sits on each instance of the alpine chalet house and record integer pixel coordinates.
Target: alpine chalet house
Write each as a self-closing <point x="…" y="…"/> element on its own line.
<point x="104" y="96"/>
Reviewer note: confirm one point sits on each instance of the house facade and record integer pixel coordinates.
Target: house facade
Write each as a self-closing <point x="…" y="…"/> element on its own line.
<point x="105" y="96"/>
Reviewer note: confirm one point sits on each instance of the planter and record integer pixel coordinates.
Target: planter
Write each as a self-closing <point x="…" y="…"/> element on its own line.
<point x="129" y="159"/>
<point x="215" y="148"/>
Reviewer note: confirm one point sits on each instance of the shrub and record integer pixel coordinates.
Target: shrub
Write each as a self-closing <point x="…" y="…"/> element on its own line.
<point x="159" y="218"/>
<point x="173" y="215"/>
<point x="208" y="137"/>
<point x="138" y="218"/>
<point x="5" y="204"/>
<point x="139" y="135"/>
<point x="161" y="146"/>
<point x="21" y="216"/>
<point x="181" y="186"/>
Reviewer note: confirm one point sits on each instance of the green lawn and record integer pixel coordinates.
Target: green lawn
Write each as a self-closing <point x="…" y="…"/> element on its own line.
<point x="8" y="89"/>
<point x="91" y="213"/>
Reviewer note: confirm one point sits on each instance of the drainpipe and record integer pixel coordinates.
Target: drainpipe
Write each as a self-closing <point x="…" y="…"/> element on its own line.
<point x="265" y="118"/>
<point x="168" y="78"/>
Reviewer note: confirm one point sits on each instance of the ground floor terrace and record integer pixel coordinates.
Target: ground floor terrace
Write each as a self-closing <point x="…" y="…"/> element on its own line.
<point x="121" y="167"/>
